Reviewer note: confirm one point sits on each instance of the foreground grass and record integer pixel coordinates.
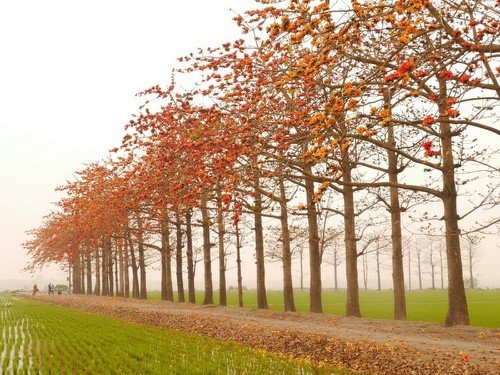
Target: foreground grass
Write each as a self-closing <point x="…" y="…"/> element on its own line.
<point x="40" y="338"/>
<point x="427" y="306"/>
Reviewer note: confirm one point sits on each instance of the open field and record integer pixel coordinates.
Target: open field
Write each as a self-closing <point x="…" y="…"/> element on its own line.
<point x="426" y="306"/>
<point x="42" y="338"/>
<point x="370" y="346"/>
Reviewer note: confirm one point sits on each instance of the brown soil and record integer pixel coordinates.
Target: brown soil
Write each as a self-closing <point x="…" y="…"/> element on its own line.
<point x="365" y="345"/>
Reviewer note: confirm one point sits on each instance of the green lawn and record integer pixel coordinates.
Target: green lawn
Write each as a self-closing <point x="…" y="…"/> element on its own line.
<point x="43" y="339"/>
<point x="427" y="305"/>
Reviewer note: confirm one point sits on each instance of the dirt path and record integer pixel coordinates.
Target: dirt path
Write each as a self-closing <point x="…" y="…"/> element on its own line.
<point x="368" y="345"/>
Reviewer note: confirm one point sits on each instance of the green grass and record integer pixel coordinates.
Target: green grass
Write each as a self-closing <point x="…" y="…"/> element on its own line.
<point x="427" y="305"/>
<point x="43" y="339"/>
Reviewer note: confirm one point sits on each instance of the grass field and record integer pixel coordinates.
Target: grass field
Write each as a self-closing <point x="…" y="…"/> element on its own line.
<point x="427" y="306"/>
<point x="38" y="338"/>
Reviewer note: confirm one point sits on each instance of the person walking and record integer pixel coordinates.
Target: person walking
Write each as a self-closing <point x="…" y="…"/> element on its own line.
<point x="35" y="290"/>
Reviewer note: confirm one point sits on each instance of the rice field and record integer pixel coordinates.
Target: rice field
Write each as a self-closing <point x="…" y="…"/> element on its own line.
<point x="425" y="305"/>
<point x="38" y="338"/>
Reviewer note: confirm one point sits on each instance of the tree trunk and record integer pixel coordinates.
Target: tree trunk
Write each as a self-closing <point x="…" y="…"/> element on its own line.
<point x="142" y="261"/>
<point x="72" y="277"/>
<point x="379" y="284"/>
<point x="70" y="290"/>
<point x="457" y="309"/>
<point x="178" y="259"/>
<point x="471" y="273"/>
<point x="76" y="275"/>
<point x="207" y="259"/>
<point x="301" y="269"/>
<point x="365" y="271"/>
<point x="79" y="275"/>
<point x="117" y="291"/>
<point x="351" y="253"/>
<point x="82" y="272"/>
<point x="287" y="252"/>
<point x="189" y="256"/>
<point x="314" y="251"/>
<point x="398" y="278"/>
<point x="121" y="291"/>
<point x="125" y="267"/>
<point x="457" y="303"/>
<point x="431" y="259"/>
<point x="97" y="290"/>
<point x="165" y="296"/>
<point x="238" y="266"/>
<point x="335" y="266"/>
<point x="441" y="269"/>
<point x="409" y="270"/>
<point x="105" y="269"/>
<point x="259" y="249"/>
<point x="89" y="273"/>
<point x="167" y="292"/>
<point x="222" y="254"/>
<point x="419" y="270"/>
<point x="135" y="277"/>
<point x="110" y="269"/>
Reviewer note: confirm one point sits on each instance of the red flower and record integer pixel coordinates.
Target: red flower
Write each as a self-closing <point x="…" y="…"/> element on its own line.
<point x="446" y="74"/>
<point x="428" y="120"/>
<point x="392" y="77"/>
<point x="421" y="73"/>
<point x="407" y="65"/>
<point x="450" y="101"/>
<point x="427" y="144"/>
<point x="464" y="78"/>
<point x="451" y="112"/>
<point x="402" y="69"/>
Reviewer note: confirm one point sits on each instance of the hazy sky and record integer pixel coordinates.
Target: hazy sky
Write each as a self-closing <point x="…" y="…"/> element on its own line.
<point x="68" y="75"/>
<point x="69" y="71"/>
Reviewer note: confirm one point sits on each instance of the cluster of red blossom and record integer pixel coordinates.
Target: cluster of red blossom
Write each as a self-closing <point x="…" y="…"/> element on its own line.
<point x="402" y="69"/>
<point x="428" y="120"/>
<point x="446" y="74"/>
<point x="427" y="145"/>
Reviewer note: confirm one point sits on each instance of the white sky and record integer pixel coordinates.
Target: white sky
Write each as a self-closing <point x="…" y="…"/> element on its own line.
<point x="69" y="71"/>
<point x="68" y="75"/>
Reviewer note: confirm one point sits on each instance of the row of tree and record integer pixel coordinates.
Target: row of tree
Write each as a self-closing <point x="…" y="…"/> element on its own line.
<point x="322" y="113"/>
